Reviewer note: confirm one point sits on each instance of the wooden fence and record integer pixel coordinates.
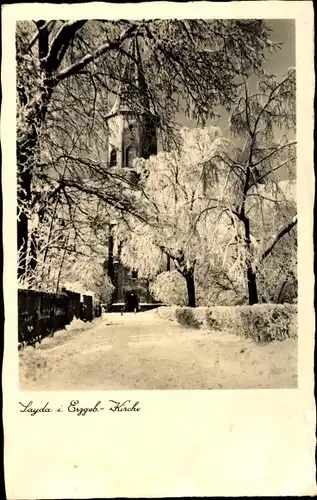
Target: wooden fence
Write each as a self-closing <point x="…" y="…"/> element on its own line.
<point x="42" y="313"/>
<point x="86" y="312"/>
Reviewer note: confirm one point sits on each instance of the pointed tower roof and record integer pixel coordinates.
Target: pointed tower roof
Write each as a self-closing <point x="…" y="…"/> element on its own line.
<point x="128" y="74"/>
<point x="132" y="71"/>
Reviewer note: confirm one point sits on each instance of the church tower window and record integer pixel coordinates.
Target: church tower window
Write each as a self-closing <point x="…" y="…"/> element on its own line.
<point x="130" y="154"/>
<point x="113" y="158"/>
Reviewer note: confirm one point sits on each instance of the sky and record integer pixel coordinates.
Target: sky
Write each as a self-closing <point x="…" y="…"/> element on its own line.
<point x="284" y="32"/>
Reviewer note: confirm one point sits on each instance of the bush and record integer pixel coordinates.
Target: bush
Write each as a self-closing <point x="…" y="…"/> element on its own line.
<point x="214" y="288"/>
<point x="187" y="316"/>
<point x="169" y="287"/>
<point x="261" y="322"/>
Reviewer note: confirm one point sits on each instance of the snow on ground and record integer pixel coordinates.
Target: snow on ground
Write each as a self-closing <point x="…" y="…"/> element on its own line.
<point x="142" y="351"/>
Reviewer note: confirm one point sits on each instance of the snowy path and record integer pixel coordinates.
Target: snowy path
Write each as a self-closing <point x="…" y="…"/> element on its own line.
<point x="144" y="352"/>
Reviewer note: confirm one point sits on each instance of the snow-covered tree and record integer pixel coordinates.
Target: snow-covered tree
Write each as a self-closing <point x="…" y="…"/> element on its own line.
<point x="252" y="201"/>
<point x="69" y="71"/>
<point x="71" y="248"/>
<point x="175" y="218"/>
<point x="216" y="204"/>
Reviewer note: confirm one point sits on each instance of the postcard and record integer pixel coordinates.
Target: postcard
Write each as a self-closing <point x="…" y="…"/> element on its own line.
<point x="158" y="190"/>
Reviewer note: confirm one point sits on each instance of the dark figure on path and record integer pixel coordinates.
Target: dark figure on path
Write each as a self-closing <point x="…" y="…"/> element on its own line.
<point x="132" y="302"/>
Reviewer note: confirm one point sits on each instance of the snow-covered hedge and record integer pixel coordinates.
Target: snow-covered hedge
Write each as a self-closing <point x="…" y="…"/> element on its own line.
<point x="261" y="322"/>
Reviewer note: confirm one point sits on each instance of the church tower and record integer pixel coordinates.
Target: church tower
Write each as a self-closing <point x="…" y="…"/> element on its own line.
<point x="132" y="126"/>
<point x="132" y="133"/>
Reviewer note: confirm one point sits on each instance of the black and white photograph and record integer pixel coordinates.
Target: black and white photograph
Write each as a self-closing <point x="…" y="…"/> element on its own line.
<point x="157" y="217"/>
<point x="158" y="190"/>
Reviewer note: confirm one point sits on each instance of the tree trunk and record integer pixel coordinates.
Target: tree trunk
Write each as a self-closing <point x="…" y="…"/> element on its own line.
<point x="27" y="159"/>
<point x="168" y="263"/>
<point x="33" y="252"/>
<point x="252" y="286"/>
<point x="277" y="299"/>
<point x="61" y="264"/>
<point x="190" y="282"/>
<point x="110" y="259"/>
<point x="24" y="197"/>
<point x="251" y="276"/>
<point x="188" y="273"/>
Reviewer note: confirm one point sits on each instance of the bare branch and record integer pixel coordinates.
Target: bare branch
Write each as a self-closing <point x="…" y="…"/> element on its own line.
<point x="273" y="170"/>
<point x="277" y="237"/>
<point x="47" y="25"/>
<point x="270" y="99"/>
<point x="276" y="150"/>
<point x="88" y="58"/>
<point x="62" y="38"/>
